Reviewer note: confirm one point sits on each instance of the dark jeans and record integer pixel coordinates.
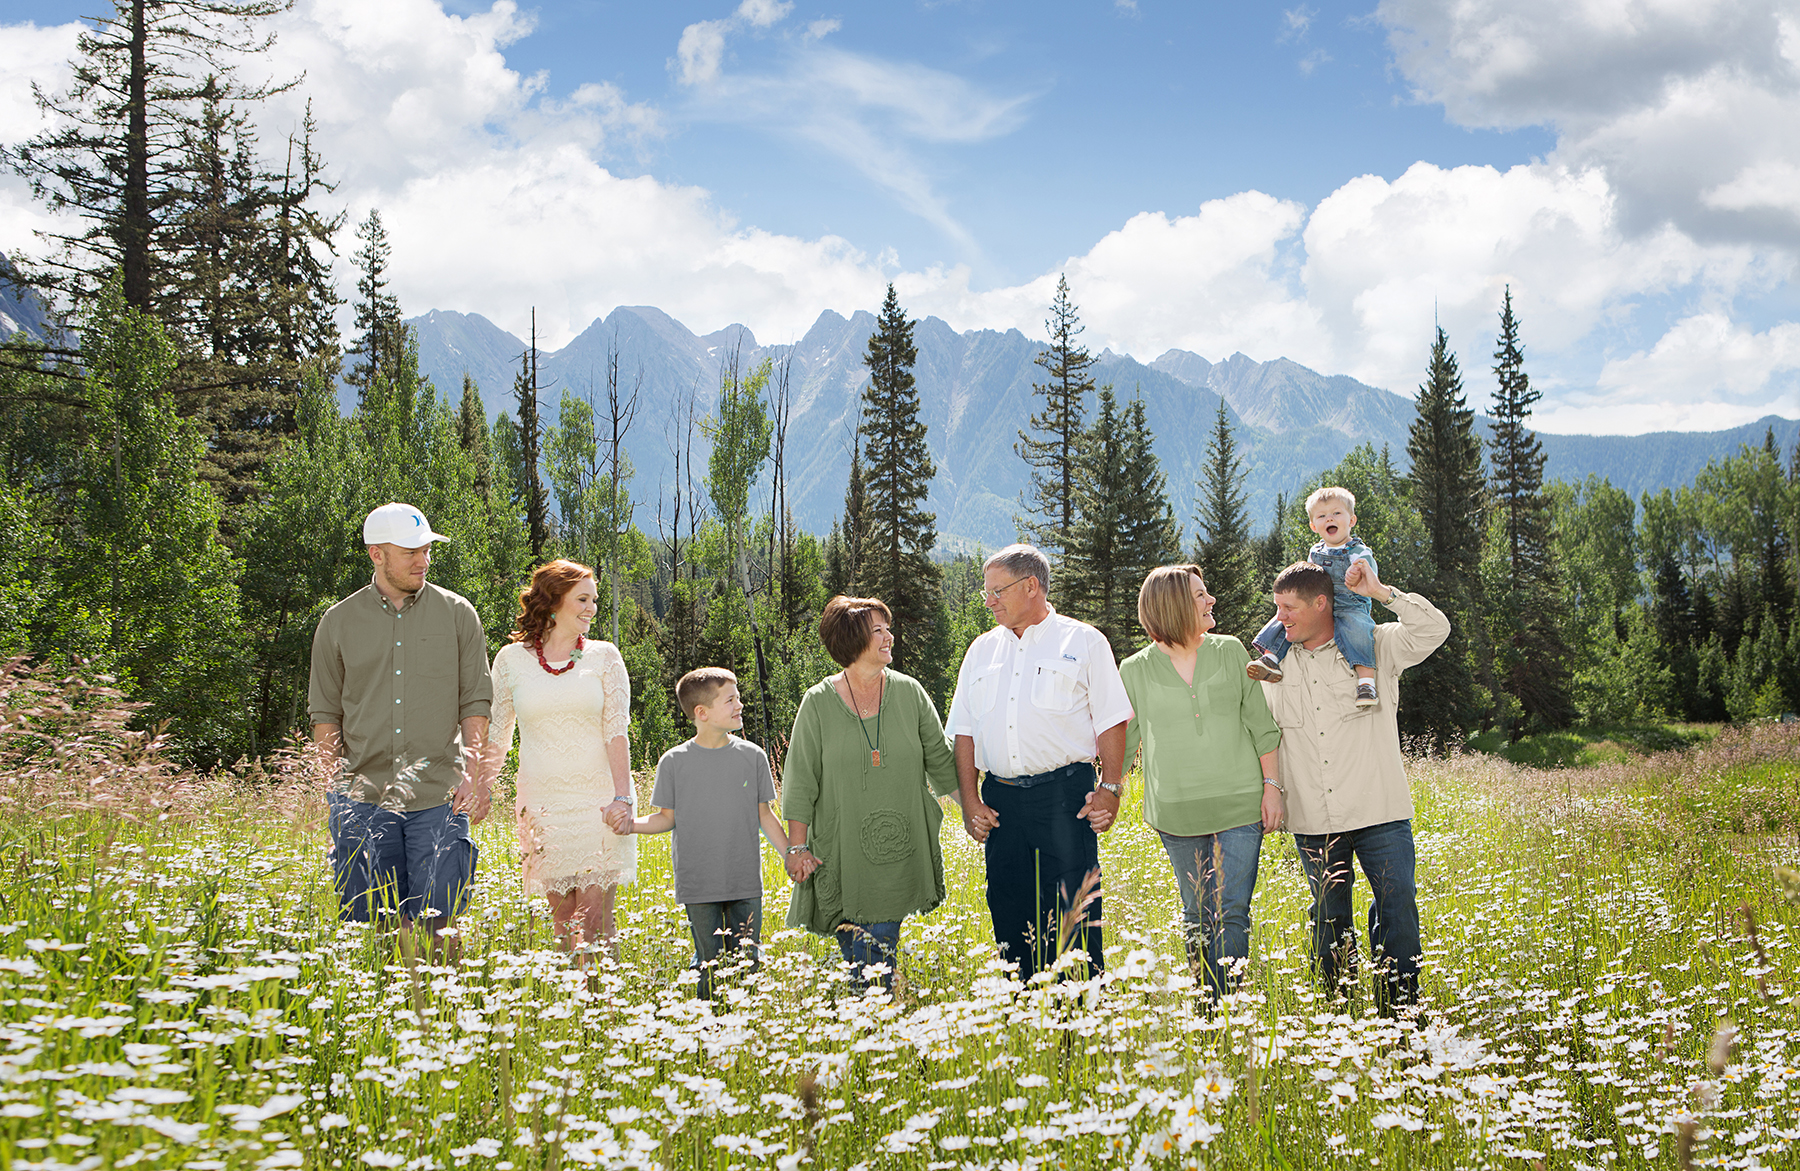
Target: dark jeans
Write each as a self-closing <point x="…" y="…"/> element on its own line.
<point x="417" y="865"/>
<point x="1216" y="875"/>
<point x="864" y="944"/>
<point x="723" y="927"/>
<point x="1037" y="858"/>
<point x="1385" y="853"/>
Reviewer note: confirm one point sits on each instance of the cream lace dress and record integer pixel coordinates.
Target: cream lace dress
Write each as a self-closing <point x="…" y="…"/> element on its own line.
<point x="565" y="723"/>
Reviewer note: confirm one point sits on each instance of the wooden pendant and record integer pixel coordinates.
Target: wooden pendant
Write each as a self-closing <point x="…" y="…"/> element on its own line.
<point x="875" y="757"/>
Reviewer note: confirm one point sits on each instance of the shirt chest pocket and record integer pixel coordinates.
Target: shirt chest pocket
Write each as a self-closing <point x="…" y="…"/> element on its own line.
<point x="433" y="656"/>
<point x="1057" y="686"/>
<point x="988" y="682"/>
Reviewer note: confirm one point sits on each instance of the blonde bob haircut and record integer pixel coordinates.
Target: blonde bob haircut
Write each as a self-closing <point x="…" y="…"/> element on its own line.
<point x="1331" y="492"/>
<point x="1166" y="604"/>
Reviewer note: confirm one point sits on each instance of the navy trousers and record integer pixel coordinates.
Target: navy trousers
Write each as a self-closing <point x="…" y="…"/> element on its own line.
<point x="1037" y="858"/>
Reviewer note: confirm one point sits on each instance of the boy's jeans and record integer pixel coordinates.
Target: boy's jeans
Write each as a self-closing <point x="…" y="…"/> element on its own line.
<point x="866" y="944"/>
<point x="1353" y="627"/>
<point x="1385" y="853"/>
<point x="727" y="927"/>
<point x="1215" y="899"/>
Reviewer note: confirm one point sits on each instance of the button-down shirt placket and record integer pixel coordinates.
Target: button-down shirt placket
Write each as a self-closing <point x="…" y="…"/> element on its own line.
<point x="398" y="625"/>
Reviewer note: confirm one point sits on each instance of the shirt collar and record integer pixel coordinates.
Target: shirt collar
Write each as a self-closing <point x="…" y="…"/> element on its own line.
<point x="382" y="601"/>
<point x="1035" y="631"/>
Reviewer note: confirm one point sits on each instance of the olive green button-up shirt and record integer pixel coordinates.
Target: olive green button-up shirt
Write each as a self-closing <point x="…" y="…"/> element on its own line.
<point x="1341" y="764"/>
<point x="1201" y="740"/>
<point x="398" y="684"/>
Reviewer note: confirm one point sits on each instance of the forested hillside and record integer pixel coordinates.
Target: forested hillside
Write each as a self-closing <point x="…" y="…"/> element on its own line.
<point x="187" y="468"/>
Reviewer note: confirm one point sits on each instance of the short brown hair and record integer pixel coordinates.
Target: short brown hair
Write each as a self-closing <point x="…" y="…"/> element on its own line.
<point x="848" y="624"/>
<point x="1166" y="604"/>
<point x="550" y="583"/>
<point x="700" y="687"/>
<point x="1304" y="580"/>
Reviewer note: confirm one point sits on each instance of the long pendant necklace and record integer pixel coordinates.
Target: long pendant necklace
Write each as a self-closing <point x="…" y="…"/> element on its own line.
<point x="880" y="694"/>
<point x="566" y="667"/>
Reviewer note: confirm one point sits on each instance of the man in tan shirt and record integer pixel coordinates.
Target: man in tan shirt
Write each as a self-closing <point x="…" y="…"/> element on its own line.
<point x="1347" y="793"/>
<point x="399" y="702"/>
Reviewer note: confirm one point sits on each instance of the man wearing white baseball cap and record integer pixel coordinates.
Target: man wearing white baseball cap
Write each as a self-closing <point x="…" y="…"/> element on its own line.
<point x="399" y="705"/>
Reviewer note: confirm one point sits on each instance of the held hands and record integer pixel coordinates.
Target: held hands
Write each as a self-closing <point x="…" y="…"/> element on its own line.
<point x="1099" y="810"/>
<point x="800" y="865"/>
<point x="618" y="818"/>
<point x="979" y="820"/>
<point x="1360" y="579"/>
<point x="472" y="799"/>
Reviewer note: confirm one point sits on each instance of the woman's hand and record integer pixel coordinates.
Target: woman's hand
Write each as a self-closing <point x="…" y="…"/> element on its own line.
<point x="800" y="865"/>
<point x="1274" y="809"/>
<point x="618" y="817"/>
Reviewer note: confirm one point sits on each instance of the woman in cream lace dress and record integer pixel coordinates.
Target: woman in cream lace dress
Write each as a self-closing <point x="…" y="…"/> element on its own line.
<point x="571" y="700"/>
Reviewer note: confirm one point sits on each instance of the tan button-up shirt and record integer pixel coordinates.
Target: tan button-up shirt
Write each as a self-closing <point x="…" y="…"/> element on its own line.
<point x="1341" y="764"/>
<point x="398" y="684"/>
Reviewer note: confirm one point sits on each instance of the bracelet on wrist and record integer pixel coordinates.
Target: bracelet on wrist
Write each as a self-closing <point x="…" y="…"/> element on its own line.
<point x="801" y="847"/>
<point x="1274" y="782"/>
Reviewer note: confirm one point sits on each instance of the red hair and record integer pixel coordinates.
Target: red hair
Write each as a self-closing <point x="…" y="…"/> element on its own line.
<point x="550" y="584"/>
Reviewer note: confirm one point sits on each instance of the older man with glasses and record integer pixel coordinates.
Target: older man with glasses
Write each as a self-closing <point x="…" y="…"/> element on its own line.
<point x="1038" y="698"/>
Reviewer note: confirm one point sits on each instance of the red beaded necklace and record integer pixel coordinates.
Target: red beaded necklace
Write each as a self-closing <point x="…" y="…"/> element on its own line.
<point x="566" y="667"/>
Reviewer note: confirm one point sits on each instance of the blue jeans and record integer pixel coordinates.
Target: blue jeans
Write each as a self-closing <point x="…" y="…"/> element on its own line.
<point x="1216" y="875"/>
<point x="386" y="863"/>
<point x="720" y="927"/>
<point x="1353" y="627"/>
<point x="1385" y="853"/>
<point x="1037" y="858"/>
<point x="864" y="944"/>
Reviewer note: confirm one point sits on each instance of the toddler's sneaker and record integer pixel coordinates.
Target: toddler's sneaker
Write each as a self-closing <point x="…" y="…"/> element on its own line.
<point x="1266" y="669"/>
<point x="1365" y="694"/>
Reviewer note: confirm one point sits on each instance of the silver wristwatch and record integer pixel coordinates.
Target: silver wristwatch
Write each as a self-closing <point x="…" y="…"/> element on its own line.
<point x="1113" y="787"/>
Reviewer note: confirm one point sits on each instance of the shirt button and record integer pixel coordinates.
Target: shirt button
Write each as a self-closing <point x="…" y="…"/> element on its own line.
<point x="396" y="731"/>
<point x="396" y="672"/>
<point x="396" y="644"/>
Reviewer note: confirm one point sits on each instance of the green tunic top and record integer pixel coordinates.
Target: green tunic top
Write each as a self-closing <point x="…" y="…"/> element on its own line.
<point x="873" y="829"/>
<point x="1201" y="741"/>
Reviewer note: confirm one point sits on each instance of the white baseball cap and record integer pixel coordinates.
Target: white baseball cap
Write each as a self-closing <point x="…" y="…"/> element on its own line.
<point x="399" y="524"/>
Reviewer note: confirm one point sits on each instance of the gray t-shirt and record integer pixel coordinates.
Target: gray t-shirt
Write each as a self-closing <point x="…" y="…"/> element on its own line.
<point x="714" y="794"/>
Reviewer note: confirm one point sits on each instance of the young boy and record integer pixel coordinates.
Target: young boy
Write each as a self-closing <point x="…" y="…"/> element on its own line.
<point x="714" y="791"/>
<point x="1331" y="513"/>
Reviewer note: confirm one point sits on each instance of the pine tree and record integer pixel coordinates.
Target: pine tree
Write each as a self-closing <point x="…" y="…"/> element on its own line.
<point x="1224" y="550"/>
<point x="1124" y="525"/>
<point x="850" y="532"/>
<point x="1447" y="493"/>
<point x="380" y="334"/>
<point x="1532" y="664"/>
<point x="472" y="433"/>
<point x="896" y="564"/>
<point x="530" y="486"/>
<point x="113" y="155"/>
<point x="1051" y="495"/>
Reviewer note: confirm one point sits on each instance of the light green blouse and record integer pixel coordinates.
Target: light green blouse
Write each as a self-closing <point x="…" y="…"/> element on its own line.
<point x="873" y="829"/>
<point x="1201" y="741"/>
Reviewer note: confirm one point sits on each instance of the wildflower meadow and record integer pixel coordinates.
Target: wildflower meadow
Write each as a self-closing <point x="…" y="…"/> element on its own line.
<point x="1612" y="980"/>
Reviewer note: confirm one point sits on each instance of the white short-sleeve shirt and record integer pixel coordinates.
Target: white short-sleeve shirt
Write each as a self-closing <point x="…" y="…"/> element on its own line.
<point x="1037" y="701"/>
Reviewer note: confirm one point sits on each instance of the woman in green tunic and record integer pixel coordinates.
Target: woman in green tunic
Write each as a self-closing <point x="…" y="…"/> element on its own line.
<point x="865" y="761"/>
<point x="1210" y="782"/>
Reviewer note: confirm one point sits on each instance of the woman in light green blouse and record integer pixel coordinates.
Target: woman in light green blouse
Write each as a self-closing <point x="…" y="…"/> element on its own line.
<point x="1210" y="783"/>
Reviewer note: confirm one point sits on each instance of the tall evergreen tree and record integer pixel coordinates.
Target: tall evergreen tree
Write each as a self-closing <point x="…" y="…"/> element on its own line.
<point x="1447" y="493"/>
<point x="527" y="392"/>
<point x="847" y="544"/>
<point x="1053" y="450"/>
<point x="380" y="334"/>
<point x="472" y="433"/>
<point x="1532" y="664"/>
<point x="1223" y="548"/>
<point x="896" y="564"/>
<point x="1124" y="525"/>
<point x="113" y="154"/>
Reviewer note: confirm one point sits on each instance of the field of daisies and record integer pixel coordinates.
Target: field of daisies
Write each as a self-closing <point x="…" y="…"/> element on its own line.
<point x="1612" y="981"/>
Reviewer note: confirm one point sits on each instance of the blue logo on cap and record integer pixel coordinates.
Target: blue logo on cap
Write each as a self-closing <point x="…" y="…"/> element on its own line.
<point x="418" y="522"/>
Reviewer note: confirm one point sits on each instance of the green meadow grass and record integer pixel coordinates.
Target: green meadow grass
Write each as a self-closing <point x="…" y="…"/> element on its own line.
<point x="1611" y="981"/>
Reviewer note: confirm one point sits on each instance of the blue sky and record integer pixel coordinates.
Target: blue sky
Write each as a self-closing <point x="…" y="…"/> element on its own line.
<point x="1319" y="182"/>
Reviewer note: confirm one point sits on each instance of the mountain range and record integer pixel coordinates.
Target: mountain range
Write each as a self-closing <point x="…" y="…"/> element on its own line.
<point x="974" y="396"/>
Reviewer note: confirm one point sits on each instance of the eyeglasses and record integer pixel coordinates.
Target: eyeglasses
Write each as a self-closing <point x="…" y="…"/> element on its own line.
<point x="994" y="595"/>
